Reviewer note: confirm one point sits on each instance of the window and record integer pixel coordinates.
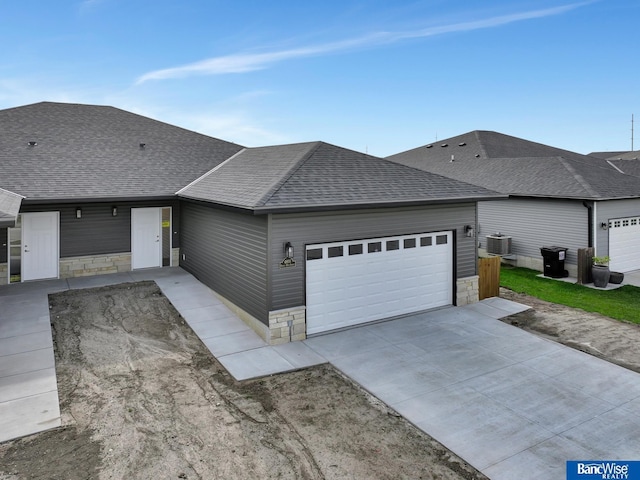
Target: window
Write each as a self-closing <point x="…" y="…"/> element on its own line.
<point x="409" y="243"/>
<point x="334" y="252"/>
<point x="355" y="249"/>
<point x="374" y="247"/>
<point x="393" y="245"/>
<point x="314" y="254"/>
<point x="441" y="240"/>
<point x="426" y="241"/>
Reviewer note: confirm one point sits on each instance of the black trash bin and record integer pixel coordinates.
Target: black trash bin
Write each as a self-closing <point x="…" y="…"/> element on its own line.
<point x="553" y="259"/>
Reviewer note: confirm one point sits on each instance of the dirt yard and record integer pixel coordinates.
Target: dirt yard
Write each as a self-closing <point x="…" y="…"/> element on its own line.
<point x="142" y="398"/>
<point x="592" y="333"/>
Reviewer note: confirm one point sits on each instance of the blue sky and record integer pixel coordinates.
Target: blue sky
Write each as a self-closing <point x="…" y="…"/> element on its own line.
<point x="375" y="76"/>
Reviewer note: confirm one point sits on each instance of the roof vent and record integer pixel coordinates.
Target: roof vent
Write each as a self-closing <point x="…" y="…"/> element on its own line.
<point x="461" y="144"/>
<point x="429" y="146"/>
<point x="142" y="145"/>
<point x="444" y="145"/>
<point x="477" y="155"/>
<point x="453" y="158"/>
<point x="32" y="144"/>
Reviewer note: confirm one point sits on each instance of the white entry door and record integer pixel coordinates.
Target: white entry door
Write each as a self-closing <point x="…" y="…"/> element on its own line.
<point x="354" y="282"/>
<point x="146" y="241"/>
<point x="40" y="240"/>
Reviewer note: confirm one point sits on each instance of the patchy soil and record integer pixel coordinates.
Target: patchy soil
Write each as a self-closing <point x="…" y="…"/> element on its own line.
<point x="592" y="333"/>
<point x="141" y="397"/>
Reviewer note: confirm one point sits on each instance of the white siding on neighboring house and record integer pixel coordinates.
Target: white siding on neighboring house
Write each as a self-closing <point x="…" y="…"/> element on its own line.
<point x="534" y="223"/>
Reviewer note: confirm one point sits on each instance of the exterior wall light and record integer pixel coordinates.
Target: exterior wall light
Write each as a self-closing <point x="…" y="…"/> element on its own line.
<point x="288" y="250"/>
<point x="78" y="212"/>
<point x="604" y="225"/>
<point x="469" y="231"/>
<point x="114" y="211"/>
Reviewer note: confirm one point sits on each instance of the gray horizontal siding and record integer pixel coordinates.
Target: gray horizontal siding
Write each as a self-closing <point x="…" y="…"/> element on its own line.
<point x="227" y="251"/>
<point x="534" y="223"/>
<point x="3" y="245"/>
<point x="287" y="285"/>
<point x="610" y="210"/>
<point x="98" y="232"/>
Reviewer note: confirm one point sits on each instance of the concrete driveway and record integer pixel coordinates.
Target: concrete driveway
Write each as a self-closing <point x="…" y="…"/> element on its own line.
<point x="511" y="404"/>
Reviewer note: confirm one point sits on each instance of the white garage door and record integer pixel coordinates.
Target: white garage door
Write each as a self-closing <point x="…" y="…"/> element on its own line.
<point x="624" y="244"/>
<point x="354" y="282"/>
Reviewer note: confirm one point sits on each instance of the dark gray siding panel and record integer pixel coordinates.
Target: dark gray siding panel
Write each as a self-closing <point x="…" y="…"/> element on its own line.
<point x="534" y="223"/>
<point x="609" y="210"/>
<point x="288" y="284"/>
<point x="3" y="245"/>
<point x="98" y="232"/>
<point x="227" y="251"/>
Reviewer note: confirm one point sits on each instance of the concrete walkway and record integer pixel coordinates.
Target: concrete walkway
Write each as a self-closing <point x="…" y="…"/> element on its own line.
<point x="28" y="389"/>
<point x="511" y="404"/>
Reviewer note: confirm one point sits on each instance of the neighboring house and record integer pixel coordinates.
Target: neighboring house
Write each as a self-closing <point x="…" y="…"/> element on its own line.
<point x="556" y="197"/>
<point x="297" y="239"/>
<point x="625" y="162"/>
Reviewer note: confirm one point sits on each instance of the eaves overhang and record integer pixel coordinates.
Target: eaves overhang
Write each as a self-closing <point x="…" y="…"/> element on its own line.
<point x="320" y="207"/>
<point x="577" y="198"/>
<point x="118" y="199"/>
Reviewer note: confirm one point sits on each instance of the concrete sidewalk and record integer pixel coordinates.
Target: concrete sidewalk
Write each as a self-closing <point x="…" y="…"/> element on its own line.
<point x="28" y="389"/>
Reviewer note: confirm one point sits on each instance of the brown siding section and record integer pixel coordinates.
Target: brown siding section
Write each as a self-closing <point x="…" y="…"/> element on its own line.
<point x="228" y="252"/>
<point x="288" y="284"/>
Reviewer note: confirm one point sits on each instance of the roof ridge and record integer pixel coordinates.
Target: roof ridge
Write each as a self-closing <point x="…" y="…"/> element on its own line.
<point x="482" y="148"/>
<point x="4" y="190"/>
<point x="271" y="191"/>
<point x="210" y="172"/>
<point x="579" y="178"/>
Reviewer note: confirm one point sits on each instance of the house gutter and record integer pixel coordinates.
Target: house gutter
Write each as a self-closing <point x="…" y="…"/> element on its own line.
<point x="81" y="200"/>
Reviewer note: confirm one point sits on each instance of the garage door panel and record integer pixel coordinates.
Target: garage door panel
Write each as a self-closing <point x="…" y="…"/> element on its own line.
<point x="376" y="284"/>
<point x="624" y="244"/>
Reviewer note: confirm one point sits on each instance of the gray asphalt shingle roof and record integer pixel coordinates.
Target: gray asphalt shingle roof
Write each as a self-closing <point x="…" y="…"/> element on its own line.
<point x="518" y="167"/>
<point x="629" y="166"/>
<point x="94" y="152"/>
<point x="9" y="207"/>
<point x="317" y="175"/>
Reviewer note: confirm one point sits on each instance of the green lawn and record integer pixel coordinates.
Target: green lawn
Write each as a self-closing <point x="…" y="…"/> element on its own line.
<point x="622" y="303"/>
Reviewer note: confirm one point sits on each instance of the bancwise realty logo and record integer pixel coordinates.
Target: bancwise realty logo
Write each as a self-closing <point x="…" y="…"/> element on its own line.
<point x="603" y="470"/>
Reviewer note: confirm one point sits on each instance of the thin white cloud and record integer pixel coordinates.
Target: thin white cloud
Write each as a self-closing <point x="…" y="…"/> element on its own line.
<point x="247" y="62"/>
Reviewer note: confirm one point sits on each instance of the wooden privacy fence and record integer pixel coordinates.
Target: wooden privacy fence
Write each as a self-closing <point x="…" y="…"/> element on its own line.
<point x="489" y="281"/>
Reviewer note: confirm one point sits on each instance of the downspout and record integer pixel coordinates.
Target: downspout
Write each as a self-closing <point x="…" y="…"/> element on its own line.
<point x="589" y="208"/>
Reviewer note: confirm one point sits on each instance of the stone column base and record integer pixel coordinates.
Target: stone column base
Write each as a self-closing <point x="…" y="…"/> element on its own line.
<point x="467" y="290"/>
<point x="4" y="276"/>
<point x="287" y="325"/>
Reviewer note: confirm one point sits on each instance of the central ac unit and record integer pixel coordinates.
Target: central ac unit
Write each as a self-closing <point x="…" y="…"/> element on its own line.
<point x="498" y="244"/>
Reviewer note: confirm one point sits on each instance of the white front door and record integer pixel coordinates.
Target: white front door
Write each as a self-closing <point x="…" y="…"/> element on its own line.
<point x="40" y="249"/>
<point x="146" y="241"/>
